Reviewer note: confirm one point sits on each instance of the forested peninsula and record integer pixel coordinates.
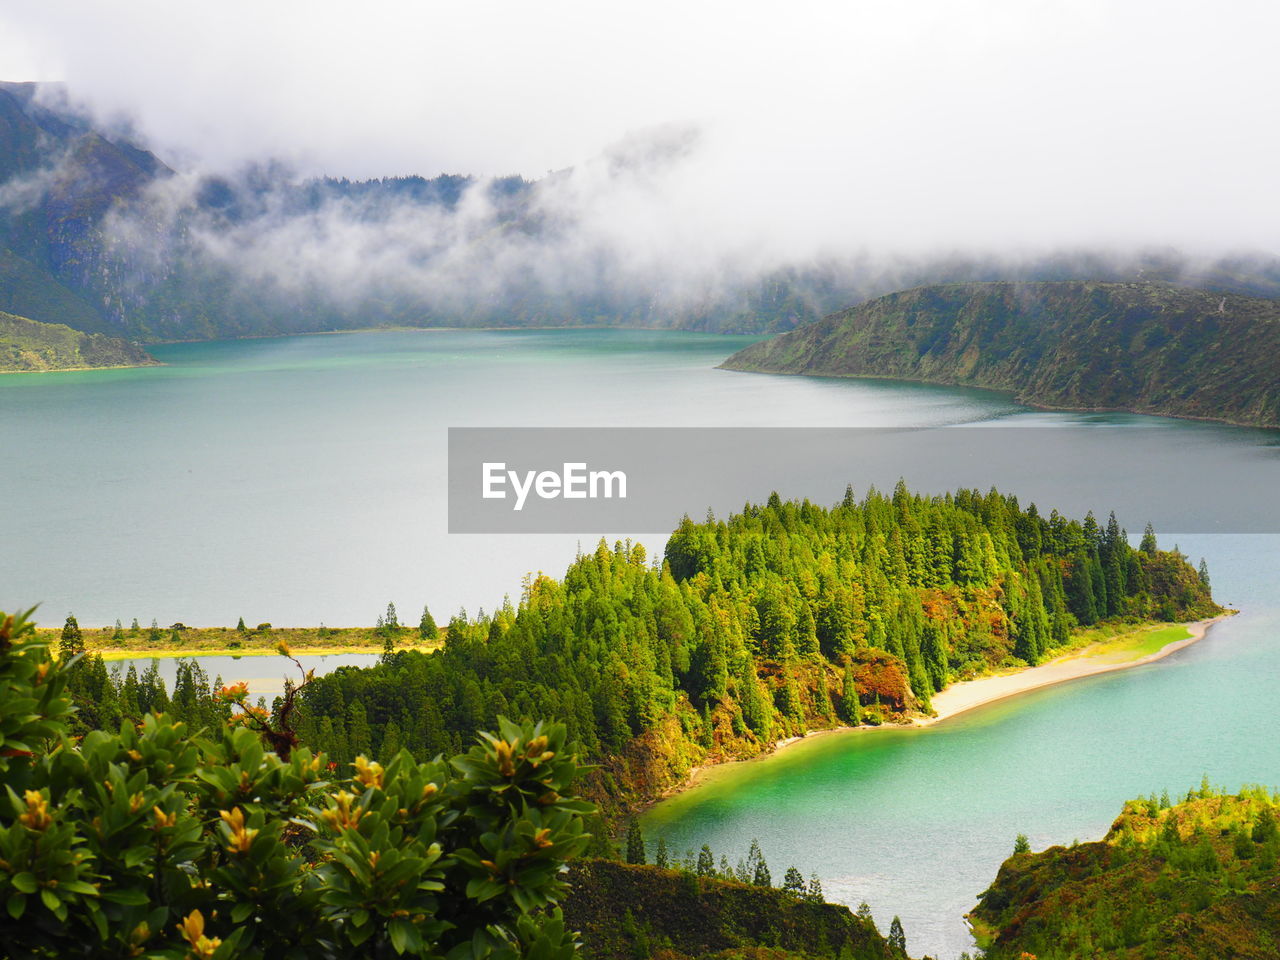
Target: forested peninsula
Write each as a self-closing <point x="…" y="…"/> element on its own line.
<point x="1143" y="347"/>
<point x="784" y="618"/>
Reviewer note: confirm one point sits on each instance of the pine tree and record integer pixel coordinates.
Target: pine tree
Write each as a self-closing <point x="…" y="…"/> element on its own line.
<point x="897" y="938"/>
<point x="793" y="882"/>
<point x="814" y="893"/>
<point x="635" y="843"/>
<point x="1203" y="573"/>
<point x="706" y="862"/>
<point x="1148" y="544"/>
<point x="1021" y="844"/>
<point x="427" y="629"/>
<point x="154" y="633"/>
<point x="134" y="628"/>
<point x="661" y="859"/>
<point x="864" y="913"/>
<point x="239" y="625"/>
<point x="850" y="709"/>
<point x="392" y="621"/>
<point x="761" y="877"/>
<point x="119" y="631"/>
<point x="72" y="643"/>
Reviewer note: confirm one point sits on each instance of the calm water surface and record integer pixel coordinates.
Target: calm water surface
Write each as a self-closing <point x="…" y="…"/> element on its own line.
<point x="301" y="480"/>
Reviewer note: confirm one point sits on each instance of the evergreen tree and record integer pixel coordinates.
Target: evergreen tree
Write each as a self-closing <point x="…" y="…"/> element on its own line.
<point x="119" y="631"/>
<point x="660" y="858"/>
<point x="793" y="882"/>
<point x="427" y="629"/>
<point x="761" y="877"/>
<point x="1148" y="545"/>
<point x="635" y="843"/>
<point x="239" y="625"/>
<point x="72" y="643"/>
<point x="154" y="633"/>
<point x="897" y="938"/>
<point x="814" y="893"/>
<point x="864" y="913"/>
<point x="1203" y="573"/>
<point x="850" y="709"/>
<point x="1021" y="844"/>
<point x="134" y="628"/>
<point x="392" y="621"/>
<point x="706" y="862"/>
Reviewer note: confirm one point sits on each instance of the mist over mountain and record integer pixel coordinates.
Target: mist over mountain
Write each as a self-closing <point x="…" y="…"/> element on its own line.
<point x="97" y="232"/>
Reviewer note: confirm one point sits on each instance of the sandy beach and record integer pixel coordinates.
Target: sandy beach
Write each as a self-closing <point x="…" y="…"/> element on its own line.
<point x="969" y="694"/>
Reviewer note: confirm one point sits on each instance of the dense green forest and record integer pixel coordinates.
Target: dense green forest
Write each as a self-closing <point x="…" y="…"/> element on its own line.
<point x="783" y="618"/>
<point x="1144" y="347"/>
<point x="1175" y="882"/>
<point x="28" y="345"/>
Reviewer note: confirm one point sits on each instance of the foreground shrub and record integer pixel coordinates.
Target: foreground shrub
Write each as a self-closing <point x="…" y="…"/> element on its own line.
<point x="163" y="842"/>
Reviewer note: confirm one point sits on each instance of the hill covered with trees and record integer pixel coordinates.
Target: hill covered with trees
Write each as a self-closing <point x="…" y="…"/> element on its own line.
<point x="1143" y="347"/>
<point x="1179" y="882"/>
<point x="26" y="345"/>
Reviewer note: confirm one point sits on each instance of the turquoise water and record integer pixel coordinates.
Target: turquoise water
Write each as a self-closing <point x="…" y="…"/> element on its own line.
<point x="302" y="480"/>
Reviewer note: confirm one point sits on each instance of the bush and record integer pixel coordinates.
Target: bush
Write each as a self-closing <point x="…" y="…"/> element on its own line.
<point x="162" y="842"/>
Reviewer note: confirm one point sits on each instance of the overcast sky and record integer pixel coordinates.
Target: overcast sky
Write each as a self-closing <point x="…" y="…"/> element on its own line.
<point x="891" y="124"/>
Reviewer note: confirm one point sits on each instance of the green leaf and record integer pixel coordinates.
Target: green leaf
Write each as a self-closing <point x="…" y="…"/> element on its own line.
<point x="17" y="905"/>
<point x="50" y="899"/>
<point x="399" y="929"/>
<point x="24" y="882"/>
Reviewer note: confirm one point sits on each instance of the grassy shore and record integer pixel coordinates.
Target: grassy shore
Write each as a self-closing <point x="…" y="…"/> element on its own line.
<point x="184" y="641"/>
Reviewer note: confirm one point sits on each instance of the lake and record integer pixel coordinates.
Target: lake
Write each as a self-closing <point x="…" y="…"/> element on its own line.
<point x="301" y="480"/>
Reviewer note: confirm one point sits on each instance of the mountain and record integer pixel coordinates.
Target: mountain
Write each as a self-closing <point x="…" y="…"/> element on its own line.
<point x="99" y="233"/>
<point x="1182" y="882"/>
<point x="26" y="345"/>
<point x="1142" y="347"/>
<point x="629" y="912"/>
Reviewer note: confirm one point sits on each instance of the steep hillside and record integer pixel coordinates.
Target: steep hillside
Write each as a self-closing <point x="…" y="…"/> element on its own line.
<point x="1186" y="882"/>
<point x="1143" y="347"/>
<point x="26" y="345"/>
<point x="629" y="912"/>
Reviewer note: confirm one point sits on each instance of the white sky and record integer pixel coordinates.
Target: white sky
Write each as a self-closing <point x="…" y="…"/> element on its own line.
<point x="965" y="123"/>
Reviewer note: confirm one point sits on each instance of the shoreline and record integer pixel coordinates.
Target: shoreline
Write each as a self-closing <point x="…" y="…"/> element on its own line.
<point x="1075" y="665"/>
<point x="967" y="695"/>
<point x="1015" y="395"/>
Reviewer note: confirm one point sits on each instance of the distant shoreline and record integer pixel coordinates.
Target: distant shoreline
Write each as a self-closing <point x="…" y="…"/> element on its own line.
<point x="968" y="695"/>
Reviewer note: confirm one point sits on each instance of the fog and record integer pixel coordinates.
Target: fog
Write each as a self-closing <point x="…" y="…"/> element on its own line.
<point x="703" y="142"/>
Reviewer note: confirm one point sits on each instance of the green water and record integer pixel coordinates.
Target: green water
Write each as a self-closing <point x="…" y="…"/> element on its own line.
<point x="302" y="479"/>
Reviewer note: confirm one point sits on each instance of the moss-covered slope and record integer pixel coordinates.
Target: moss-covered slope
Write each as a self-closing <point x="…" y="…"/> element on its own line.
<point x="27" y="345"/>
<point x="1196" y="880"/>
<point x="1144" y="347"/>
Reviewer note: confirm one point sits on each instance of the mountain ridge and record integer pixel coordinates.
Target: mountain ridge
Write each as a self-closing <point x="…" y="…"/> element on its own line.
<point x="1140" y="347"/>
